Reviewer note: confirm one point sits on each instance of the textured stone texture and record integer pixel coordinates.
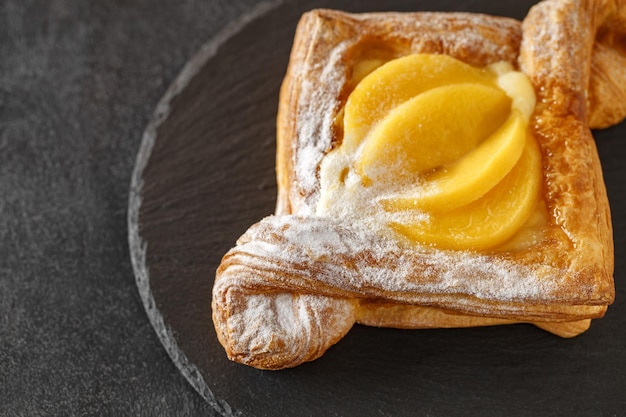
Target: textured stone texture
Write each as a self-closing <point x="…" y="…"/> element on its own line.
<point x="78" y="82"/>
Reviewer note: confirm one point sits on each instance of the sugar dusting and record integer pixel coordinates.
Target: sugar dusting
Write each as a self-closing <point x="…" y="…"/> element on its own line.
<point x="288" y="288"/>
<point x="315" y="117"/>
<point x="359" y="261"/>
<point x="562" y="26"/>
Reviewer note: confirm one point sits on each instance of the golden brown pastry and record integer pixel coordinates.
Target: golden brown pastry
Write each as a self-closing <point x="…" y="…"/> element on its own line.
<point x="298" y="280"/>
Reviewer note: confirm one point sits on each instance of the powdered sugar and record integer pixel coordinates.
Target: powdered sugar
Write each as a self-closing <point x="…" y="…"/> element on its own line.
<point x="367" y="265"/>
<point x="316" y="117"/>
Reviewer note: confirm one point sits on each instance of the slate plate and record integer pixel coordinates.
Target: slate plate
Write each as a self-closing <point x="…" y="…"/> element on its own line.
<point x="205" y="172"/>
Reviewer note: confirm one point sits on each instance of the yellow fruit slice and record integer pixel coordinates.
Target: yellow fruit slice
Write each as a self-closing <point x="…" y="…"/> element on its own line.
<point x="471" y="176"/>
<point x="433" y="129"/>
<point x="489" y="221"/>
<point x="398" y="81"/>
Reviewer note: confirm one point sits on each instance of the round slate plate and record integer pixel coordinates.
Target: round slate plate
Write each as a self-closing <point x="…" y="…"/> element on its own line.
<point x="205" y="172"/>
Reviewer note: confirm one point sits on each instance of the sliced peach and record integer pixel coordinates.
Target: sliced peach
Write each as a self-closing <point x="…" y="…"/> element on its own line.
<point x="488" y="221"/>
<point x="473" y="175"/>
<point x="400" y="80"/>
<point x="433" y="129"/>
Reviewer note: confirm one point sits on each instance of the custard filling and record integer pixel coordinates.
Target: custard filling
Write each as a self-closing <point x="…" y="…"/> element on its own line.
<point x="437" y="152"/>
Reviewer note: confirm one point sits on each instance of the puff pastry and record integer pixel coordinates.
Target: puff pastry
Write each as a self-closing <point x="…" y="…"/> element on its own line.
<point x="296" y="282"/>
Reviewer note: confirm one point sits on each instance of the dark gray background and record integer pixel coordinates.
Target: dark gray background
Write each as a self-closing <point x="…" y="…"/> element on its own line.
<point x="79" y="81"/>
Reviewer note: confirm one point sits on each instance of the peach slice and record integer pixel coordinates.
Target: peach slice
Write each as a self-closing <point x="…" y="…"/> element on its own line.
<point x="400" y="80"/>
<point x="432" y="129"/>
<point x="473" y="175"/>
<point x="488" y="221"/>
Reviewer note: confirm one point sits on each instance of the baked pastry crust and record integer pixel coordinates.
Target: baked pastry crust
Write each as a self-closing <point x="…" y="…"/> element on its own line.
<point x="296" y="283"/>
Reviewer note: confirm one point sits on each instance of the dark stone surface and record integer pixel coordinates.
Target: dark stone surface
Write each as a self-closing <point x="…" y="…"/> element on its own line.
<point x="79" y="81"/>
